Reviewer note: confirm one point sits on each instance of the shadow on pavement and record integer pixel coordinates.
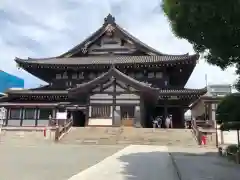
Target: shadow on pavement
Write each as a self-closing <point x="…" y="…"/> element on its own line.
<point x="178" y="165"/>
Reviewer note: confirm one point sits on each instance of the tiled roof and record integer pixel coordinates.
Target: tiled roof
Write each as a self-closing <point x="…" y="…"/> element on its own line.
<point x="161" y="91"/>
<point x="110" y="60"/>
<point x="42" y="92"/>
<point x="109" y="20"/>
<point x="183" y="91"/>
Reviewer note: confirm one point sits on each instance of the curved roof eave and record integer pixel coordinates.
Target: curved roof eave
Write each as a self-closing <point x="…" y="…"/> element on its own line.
<point x="113" y="72"/>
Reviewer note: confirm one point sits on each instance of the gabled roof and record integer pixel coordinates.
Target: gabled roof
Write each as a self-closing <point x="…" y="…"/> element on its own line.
<point x="113" y="72"/>
<point x="109" y="22"/>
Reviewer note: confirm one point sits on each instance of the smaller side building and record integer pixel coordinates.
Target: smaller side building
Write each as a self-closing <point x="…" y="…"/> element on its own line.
<point x="203" y="112"/>
<point x="204" y="108"/>
<point x="9" y="81"/>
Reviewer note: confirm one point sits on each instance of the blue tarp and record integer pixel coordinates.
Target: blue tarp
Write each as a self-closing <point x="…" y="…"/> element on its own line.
<point x="9" y="81"/>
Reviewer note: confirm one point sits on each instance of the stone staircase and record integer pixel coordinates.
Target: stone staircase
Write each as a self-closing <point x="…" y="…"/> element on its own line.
<point x="129" y="135"/>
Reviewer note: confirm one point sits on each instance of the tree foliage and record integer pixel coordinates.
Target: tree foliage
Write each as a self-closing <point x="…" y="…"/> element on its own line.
<point x="211" y="26"/>
<point x="228" y="112"/>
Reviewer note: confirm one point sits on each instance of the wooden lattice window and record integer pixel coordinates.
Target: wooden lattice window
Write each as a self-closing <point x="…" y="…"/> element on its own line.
<point x="74" y="76"/>
<point x="15" y="113"/>
<point x="101" y="112"/>
<point x="151" y="75"/>
<point x="29" y="113"/>
<point x="45" y="113"/>
<point x="58" y="76"/>
<point x="159" y="75"/>
<point x="65" y="75"/>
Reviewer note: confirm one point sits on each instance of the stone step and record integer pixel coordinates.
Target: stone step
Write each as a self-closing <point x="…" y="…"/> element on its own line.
<point x="129" y="136"/>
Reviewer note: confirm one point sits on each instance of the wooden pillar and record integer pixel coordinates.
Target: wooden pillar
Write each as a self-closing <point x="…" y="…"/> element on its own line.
<point x="88" y="111"/>
<point x="182" y="118"/>
<point x="114" y="101"/>
<point x="7" y="117"/>
<point x="143" y="112"/>
<point x="37" y="114"/>
<point x="22" y="113"/>
<point x="165" y="112"/>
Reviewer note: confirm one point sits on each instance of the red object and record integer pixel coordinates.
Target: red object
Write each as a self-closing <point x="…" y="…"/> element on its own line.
<point x="45" y="132"/>
<point x="204" y="140"/>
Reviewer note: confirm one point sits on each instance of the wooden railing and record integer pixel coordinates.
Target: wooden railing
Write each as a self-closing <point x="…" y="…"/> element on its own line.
<point x="62" y="128"/>
<point x="207" y="130"/>
<point x="196" y="132"/>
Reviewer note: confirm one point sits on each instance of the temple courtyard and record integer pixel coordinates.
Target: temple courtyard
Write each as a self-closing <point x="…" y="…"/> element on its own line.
<point x="132" y="162"/>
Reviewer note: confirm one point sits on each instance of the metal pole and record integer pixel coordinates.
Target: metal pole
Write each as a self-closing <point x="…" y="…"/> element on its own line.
<point x="238" y="150"/>
<point x="238" y="138"/>
<point x="215" y="107"/>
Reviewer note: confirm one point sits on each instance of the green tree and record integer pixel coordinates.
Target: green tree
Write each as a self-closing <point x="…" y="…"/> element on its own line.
<point x="228" y="109"/>
<point x="228" y="113"/>
<point x="211" y="26"/>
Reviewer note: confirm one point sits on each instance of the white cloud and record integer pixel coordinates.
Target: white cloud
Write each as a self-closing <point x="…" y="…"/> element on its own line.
<point x="50" y="27"/>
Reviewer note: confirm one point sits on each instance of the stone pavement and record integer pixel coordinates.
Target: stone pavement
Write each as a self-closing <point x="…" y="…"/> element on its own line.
<point x="135" y="162"/>
<point x="49" y="161"/>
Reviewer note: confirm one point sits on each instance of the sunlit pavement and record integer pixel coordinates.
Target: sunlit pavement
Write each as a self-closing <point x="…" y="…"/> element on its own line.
<point x="134" y="162"/>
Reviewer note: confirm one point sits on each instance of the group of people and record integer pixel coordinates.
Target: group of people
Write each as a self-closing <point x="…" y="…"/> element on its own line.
<point x="159" y="122"/>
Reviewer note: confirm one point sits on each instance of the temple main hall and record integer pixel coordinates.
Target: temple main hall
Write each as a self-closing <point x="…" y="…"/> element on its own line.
<point x="109" y="79"/>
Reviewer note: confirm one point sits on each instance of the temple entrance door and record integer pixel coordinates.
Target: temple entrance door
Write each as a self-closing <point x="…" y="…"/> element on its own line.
<point x="127" y="121"/>
<point x="127" y="115"/>
<point x="79" y="118"/>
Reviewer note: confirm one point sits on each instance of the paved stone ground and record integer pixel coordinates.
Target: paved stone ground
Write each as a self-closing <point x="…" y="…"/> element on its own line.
<point x="49" y="162"/>
<point x="135" y="162"/>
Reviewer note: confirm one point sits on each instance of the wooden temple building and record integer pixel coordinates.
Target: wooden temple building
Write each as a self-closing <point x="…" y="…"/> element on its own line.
<point x="109" y="79"/>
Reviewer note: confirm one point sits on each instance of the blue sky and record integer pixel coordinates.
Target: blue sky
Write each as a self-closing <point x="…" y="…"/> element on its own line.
<point x="50" y="27"/>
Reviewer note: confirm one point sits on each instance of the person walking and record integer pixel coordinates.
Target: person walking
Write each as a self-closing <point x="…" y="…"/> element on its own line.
<point x="168" y="122"/>
<point x="159" y="121"/>
<point x="154" y="121"/>
<point x="171" y="123"/>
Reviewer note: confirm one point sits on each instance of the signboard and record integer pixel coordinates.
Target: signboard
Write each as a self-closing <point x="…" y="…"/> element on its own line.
<point x="2" y="115"/>
<point x="61" y="115"/>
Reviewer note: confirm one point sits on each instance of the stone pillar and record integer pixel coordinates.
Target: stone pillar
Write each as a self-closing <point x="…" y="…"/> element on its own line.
<point x="117" y="116"/>
<point x="137" y="115"/>
<point x="90" y="111"/>
<point x="213" y="114"/>
<point x="111" y="112"/>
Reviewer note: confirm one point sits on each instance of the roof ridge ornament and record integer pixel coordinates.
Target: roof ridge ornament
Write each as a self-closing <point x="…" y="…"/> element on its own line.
<point x="109" y="19"/>
<point x="113" y="65"/>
